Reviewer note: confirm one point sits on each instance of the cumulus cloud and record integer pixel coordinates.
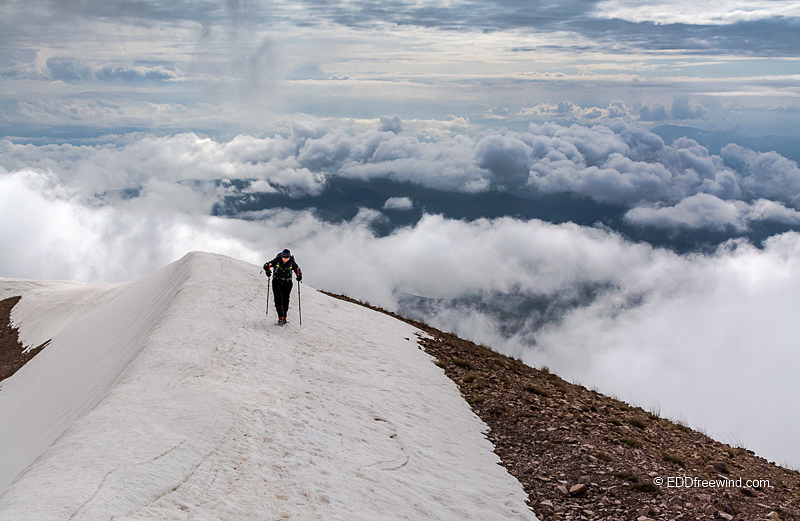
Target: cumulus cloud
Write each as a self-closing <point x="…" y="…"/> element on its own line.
<point x="618" y="109"/>
<point x="680" y="185"/>
<point x="398" y="203"/>
<point x="766" y="210"/>
<point x="507" y="156"/>
<point x="706" y="211"/>
<point x="391" y="124"/>
<point x="570" y="111"/>
<point x="682" y="109"/>
<point x="182" y="157"/>
<point x="656" y="112"/>
<point x="697" y="211"/>
<point x="766" y="174"/>
<point x="627" y="165"/>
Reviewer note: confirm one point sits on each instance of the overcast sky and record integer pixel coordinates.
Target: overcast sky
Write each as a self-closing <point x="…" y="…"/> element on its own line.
<point x="240" y="65"/>
<point x="124" y="125"/>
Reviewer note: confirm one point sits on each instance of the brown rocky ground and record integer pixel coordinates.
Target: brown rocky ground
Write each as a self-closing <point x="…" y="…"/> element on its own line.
<point x="12" y="352"/>
<point x="581" y="455"/>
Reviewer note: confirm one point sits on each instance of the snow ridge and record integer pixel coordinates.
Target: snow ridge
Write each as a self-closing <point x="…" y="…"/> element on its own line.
<point x="96" y="332"/>
<point x="202" y="409"/>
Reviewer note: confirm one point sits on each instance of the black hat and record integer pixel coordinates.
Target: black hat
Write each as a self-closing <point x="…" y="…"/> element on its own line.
<point x="286" y="253"/>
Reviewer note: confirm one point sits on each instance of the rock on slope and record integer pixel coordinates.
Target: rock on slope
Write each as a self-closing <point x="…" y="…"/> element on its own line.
<point x="175" y="398"/>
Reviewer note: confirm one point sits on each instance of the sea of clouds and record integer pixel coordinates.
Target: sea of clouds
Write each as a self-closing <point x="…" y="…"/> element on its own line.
<point x="669" y="186"/>
<point x="707" y="338"/>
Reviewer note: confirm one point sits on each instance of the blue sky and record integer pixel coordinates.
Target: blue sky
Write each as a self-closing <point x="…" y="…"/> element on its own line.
<point x="239" y="66"/>
<point x="611" y="154"/>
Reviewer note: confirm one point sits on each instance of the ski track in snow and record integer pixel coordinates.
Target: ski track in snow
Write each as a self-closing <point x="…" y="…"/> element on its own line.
<point x="208" y="411"/>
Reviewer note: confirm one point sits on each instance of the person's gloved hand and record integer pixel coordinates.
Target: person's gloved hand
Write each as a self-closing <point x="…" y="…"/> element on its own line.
<point x="299" y="278"/>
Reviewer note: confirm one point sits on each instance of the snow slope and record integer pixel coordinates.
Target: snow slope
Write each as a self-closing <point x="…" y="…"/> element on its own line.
<point x="174" y="398"/>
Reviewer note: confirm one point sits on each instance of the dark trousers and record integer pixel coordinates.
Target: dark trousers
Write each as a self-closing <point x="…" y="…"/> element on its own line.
<point x="282" y="288"/>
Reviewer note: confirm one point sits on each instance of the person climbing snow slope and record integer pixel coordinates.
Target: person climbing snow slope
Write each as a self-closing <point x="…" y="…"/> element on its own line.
<point x="283" y="264"/>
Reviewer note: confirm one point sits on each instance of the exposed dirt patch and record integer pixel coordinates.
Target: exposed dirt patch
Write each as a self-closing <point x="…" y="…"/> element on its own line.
<point x="12" y="352"/>
<point x="581" y="455"/>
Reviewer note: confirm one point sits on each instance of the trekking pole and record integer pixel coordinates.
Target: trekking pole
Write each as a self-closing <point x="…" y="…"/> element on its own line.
<point x="260" y="272"/>
<point x="299" y="307"/>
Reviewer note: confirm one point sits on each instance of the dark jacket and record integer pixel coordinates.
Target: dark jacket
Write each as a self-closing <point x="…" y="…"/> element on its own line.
<point x="283" y="270"/>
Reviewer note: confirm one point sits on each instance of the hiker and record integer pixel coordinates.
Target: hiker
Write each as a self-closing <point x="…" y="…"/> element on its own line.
<point x="283" y="264"/>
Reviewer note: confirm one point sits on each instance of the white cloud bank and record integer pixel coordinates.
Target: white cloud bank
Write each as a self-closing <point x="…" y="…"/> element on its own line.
<point x="682" y="109"/>
<point x="714" y="346"/>
<point x="678" y="185"/>
<point x="707" y="338"/>
<point x="708" y="212"/>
